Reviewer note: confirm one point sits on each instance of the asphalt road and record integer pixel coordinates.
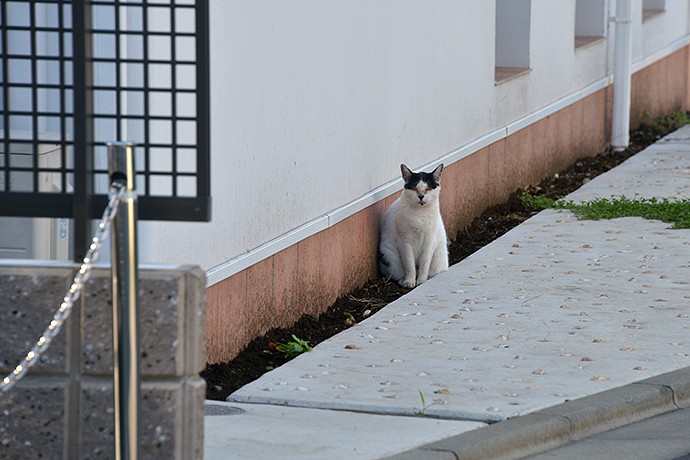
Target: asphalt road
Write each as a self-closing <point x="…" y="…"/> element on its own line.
<point x="664" y="437"/>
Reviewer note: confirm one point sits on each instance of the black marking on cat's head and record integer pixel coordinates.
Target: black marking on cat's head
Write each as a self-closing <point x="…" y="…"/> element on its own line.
<point x="432" y="179"/>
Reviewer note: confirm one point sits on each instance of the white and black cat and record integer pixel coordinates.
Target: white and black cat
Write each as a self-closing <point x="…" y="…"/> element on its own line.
<point x="413" y="243"/>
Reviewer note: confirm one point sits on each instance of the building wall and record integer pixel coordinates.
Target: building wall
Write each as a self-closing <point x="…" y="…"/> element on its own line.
<point x="314" y="106"/>
<point x="310" y="275"/>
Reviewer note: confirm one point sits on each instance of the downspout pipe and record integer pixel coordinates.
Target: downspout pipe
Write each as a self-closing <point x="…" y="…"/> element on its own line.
<point x="622" y="59"/>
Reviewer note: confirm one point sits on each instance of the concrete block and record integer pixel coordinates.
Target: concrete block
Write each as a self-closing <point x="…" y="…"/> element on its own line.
<point x="664" y="436"/>
<point x="96" y="326"/>
<point x="613" y="408"/>
<point x="191" y="433"/>
<point x="28" y="300"/>
<point x="677" y="381"/>
<point x="159" y="321"/>
<point x="160" y="421"/>
<point x="32" y="420"/>
<point x="512" y="438"/>
<point x="64" y="408"/>
<point x="96" y="421"/>
<point x="162" y="411"/>
<point x="557" y="425"/>
<point x="194" y="320"/>
<point x="161" y="328"/>
<point x="426" y="454"/>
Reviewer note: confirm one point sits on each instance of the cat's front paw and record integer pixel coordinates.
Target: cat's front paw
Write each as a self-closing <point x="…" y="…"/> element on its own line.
<point x="407" y="284"/>
<point x="421" y="280"/>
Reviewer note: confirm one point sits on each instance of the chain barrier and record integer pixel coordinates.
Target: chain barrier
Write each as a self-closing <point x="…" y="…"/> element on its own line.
<point x="117" y="190"/>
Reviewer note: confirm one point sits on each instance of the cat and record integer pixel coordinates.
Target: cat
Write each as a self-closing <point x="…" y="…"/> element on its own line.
<point x="413" y="244"/>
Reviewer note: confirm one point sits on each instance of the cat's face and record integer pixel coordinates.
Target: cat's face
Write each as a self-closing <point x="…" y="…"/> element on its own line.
<point x="421" y="188"/>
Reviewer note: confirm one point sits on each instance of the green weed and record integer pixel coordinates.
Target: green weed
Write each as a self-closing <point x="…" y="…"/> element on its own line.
<point x="537" y="202"/>
<point x="293" y="348"/>
<point x="672" y="122"/>
<point x="674" y="212"/>
<point x="349" y="319"/>
<point x="422" y="412"/>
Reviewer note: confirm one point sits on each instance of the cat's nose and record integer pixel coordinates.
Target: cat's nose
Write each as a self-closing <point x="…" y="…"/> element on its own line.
<point x="421" y="197"/>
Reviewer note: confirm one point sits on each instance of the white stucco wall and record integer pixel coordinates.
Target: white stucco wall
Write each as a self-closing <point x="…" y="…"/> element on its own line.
<point x="315" y="104"/>
<point x="656" y="32"/>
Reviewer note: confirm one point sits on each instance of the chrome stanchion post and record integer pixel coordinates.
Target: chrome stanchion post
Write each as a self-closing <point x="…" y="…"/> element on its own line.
<point x="126" y="375"/>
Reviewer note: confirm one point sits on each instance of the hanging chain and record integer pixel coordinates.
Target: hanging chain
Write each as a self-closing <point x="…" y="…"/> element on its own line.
<point x="117" y="190"/>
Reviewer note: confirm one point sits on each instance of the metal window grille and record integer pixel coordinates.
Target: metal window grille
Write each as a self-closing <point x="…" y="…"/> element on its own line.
<point x="75" y="75"/>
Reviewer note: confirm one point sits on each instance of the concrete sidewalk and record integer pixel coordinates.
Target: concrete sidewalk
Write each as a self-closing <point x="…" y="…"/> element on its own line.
<point x="556" y="310"/>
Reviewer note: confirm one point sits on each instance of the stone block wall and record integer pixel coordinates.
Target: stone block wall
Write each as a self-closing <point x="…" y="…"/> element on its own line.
<point x="63" y="407"/>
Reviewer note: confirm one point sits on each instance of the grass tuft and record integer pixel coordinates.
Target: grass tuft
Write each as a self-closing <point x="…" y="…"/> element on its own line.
<point x="674" y="212"/>
<point x="672" y="122"/>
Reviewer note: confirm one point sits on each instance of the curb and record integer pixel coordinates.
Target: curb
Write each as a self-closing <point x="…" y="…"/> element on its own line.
<point x="558" y="425"/>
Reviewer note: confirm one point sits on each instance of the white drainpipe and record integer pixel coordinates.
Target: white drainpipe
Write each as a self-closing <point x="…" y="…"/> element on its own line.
<point x="622" y="58"/>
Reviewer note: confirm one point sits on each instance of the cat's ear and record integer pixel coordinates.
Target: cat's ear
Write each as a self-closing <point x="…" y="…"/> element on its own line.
<point x="406" y="173"/>
<point x="437" y="172"/>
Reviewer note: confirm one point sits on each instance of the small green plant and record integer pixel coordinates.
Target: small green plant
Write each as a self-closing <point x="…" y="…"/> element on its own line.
<point x="537" y="202"/>
<point x="671" y="122"/>
<point x="349" y="319"/>
<point x="674" y="212"/>
<point x="422" y="411"/>
<point x="293" y="348"/>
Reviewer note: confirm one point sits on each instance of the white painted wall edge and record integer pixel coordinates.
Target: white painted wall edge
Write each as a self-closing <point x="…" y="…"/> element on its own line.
<point x="243" y="261"/>
<point x="660" y="54"/>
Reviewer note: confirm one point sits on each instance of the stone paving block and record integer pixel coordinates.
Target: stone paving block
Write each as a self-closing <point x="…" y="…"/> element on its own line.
<point x="29" y="298"/>
<point x="32" y="420"/>
<point x="259" y="432"/>
<point x="680" y="136"/>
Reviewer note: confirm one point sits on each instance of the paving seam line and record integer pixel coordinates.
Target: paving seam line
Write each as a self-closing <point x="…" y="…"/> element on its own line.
<point x="556" y="426"/>
<point x="366" y="409"/>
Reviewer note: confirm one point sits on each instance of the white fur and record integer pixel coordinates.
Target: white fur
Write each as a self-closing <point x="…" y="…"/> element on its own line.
<point x="413" y="239"/>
